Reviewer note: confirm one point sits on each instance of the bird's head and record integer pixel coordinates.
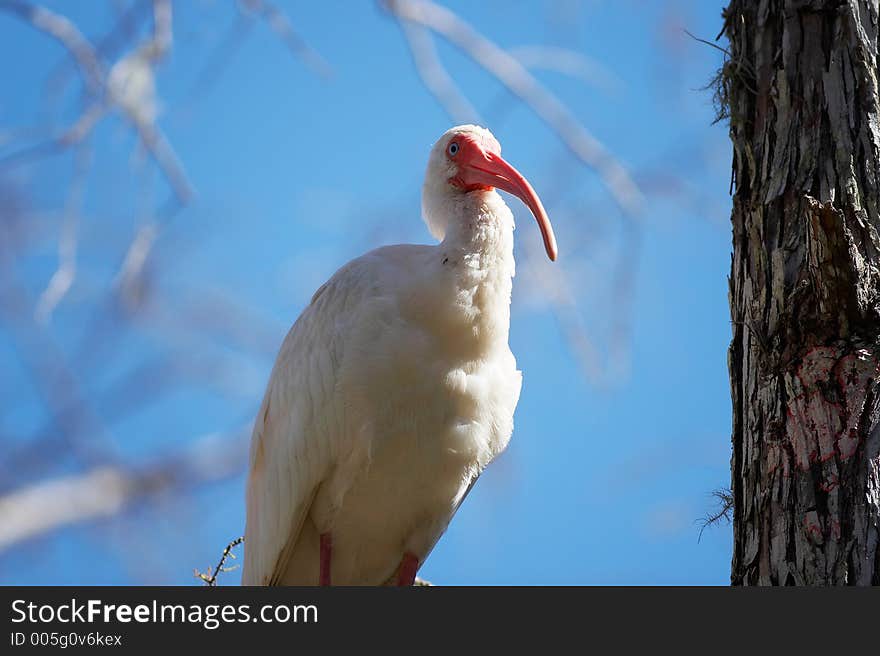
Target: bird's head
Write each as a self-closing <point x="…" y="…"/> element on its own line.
<point x="467" y="160"/>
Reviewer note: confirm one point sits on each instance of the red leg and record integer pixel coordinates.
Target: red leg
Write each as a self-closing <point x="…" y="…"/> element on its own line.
<point x="406" y="573"/>
<point x="326" y="551"/>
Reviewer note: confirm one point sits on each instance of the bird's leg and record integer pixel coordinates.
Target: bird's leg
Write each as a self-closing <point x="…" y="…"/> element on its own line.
<point x="326" y="551"/>
<point x="406" y="573"/>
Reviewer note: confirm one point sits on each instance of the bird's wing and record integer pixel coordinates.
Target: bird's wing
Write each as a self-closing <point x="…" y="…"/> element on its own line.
<point x="299" y="432"/>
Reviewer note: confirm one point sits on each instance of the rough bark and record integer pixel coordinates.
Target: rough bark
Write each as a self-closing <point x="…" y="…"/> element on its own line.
<point x="802" y="98"/>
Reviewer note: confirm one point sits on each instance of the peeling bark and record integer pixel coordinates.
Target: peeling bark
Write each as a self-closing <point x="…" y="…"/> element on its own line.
<point x="801" y="83"/>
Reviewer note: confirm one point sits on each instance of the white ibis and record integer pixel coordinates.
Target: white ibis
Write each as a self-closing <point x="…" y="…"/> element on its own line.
<point x="394" y="389"/>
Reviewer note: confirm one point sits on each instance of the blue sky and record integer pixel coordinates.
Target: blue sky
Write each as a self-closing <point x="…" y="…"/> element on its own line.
<point x="604" y="479"/>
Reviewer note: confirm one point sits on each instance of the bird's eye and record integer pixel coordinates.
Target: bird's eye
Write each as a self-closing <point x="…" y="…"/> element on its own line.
<point x="453" y="149"/>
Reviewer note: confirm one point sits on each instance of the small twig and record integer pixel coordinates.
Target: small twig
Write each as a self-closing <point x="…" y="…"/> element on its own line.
<point x="742" y="63"/>
<point x="708" y="43"/>
<point x="211" y="580"/>
<point x="739" y="63"/>
<point x="724" y="499"/>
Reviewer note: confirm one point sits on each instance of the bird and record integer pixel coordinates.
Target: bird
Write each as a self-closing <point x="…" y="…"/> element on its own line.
<point x="394" y="389"/>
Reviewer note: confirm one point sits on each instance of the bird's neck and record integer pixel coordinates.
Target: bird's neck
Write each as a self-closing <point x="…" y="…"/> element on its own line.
<point x="477" y="250"/>
<point x="480" y="236"/>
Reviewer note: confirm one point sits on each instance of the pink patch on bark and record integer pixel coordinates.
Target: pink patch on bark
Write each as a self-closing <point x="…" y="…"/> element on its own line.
<point x="813" y="421"/>
<point x="819" y="428"/>
<point x="854" y="374"/>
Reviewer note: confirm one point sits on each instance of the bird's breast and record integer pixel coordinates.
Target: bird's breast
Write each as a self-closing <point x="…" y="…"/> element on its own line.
<point x="430" y="436"/>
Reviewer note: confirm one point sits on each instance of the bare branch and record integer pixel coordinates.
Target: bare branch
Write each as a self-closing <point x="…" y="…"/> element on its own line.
<point x="435" y="77"/>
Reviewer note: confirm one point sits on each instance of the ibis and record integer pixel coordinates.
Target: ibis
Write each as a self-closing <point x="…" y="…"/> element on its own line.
<point x="394" y="388"/>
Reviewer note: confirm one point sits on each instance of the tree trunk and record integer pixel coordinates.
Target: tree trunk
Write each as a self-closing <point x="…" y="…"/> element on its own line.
<point x="801" y="91"/>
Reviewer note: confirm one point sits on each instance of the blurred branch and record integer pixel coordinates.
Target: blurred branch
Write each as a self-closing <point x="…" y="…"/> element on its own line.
<point x="513" y="75"/>
<point x="248" y="12"/>
<point x="160" y="44"/>
<point x="67" y="34"/>
<point x="108" y="47"/>
<point x="130" y="277"/>
<point x="105" y="491"/>
<point x="222" y="54"/>
<point x="63" y="397"/>
<point x="281" y="25"/>
<point x="435" y="77"/>
<point x="145" y="385"/>
<point x="611" y="364"/>
<point x="74" y="135"/>
<point x="568" y="62"/>
<point x="62" y="280"/>
<point x="47" y="506"/>
<point x="212" y="315"/>
<point x="84" y="53"/>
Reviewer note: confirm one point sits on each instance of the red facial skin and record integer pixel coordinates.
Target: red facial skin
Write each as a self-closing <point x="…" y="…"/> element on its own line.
<point x="481" y="167"/>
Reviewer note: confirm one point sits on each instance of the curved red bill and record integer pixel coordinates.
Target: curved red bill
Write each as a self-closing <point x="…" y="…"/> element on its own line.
<point x="483" y="168"/>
